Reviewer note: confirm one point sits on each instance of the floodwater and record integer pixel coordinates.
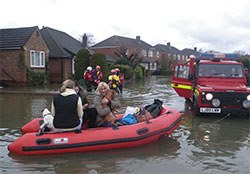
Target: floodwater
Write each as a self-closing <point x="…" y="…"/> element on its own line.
<point x="204" y="144"/>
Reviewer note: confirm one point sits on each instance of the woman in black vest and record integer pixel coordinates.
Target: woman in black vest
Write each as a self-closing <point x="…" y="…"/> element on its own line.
<point x="67" y="108"/>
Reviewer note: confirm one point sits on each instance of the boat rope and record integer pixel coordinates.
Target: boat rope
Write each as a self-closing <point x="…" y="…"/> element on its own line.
<point x="223" y="118"/>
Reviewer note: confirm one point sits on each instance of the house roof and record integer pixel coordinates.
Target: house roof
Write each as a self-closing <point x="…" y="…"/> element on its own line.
<point x="15" y="38"/>
<point x="188" y="51"/>
<point x="167" y="48"/>
<point x="116" y="41"/>
<point x="162" y="48"/>
<point x="60" y="44"/>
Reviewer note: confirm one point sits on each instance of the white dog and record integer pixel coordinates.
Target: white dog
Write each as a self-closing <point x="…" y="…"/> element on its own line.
<point x="47" y="119"/>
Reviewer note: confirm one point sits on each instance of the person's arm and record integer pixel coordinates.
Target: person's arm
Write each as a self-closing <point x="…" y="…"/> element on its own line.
<point x="79" y="108"/>
<point x="52" y="108"/>
<point x="98" y="105"/>
<point x="85" y="103"/>
<point x="115" y="103"/>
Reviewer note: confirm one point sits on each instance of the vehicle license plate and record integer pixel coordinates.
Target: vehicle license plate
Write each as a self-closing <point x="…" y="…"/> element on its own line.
<point x="210" y="110"/>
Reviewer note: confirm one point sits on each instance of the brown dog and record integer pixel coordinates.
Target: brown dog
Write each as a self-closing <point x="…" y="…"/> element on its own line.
<point x="110" y="117"/>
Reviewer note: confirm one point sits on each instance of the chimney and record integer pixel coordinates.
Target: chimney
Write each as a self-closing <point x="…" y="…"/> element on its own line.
<point x="138" y="38"/>
<point x="168" y="44"/>
<point x="84" y="40"/>
<point x="195" y="49"/>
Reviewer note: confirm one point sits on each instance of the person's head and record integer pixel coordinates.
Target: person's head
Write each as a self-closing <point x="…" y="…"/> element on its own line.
<point x="77" y="87"/>
<point x="102" y="89"/>
<point x="97" y="67"/>
<point x="89" y="68"/>
<point x="67" y="84"/>
<point x="117" y="71"/>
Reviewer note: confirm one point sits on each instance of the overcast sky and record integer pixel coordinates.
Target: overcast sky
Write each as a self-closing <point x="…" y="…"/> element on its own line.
<point x="221" y="25"/>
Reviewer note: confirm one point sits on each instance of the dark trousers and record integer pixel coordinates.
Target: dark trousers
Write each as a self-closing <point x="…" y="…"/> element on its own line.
<point x="90" y="115"/>
<point x="88" y="85"/>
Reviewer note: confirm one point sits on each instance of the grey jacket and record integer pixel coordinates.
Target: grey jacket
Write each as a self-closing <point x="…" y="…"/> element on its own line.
<point x="115" y="103"/>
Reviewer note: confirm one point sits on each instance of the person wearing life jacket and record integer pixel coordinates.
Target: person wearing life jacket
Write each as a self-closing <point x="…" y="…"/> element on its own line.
<point x="112" y="71"/>
<point x="114" y="81"/>
<point x="99" y="74"/>
<point x="121" y="79"/>
<point x="88" y="78"/>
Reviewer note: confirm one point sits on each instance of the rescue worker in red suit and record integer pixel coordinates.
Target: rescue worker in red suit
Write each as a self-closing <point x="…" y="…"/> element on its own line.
<point x="98" y="73"/>
<point x="88" y="78"/>
<point x="96" y="76"/>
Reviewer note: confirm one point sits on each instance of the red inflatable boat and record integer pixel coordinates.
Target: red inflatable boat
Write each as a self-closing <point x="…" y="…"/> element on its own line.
<point x="101" y="138"/>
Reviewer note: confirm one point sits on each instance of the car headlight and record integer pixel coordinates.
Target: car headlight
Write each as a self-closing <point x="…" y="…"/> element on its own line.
<point x="209" y="96"/>
<point x="248" y="97"/>
<point x="246" y="104"/>
<point x="216" y="102"/>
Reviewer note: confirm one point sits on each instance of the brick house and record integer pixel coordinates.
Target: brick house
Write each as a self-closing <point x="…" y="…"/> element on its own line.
<point x="21" y="49"/>
<point x="187" y="52"/>
<point x="110" y="47"/>
<point x="173" y="55"/>
<point x="63" y="49"/>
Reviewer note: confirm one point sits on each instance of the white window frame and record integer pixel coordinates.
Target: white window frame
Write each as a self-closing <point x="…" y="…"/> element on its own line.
<point x="144" y="53"/>
<point x="157" y="54"/>
<point x="37" y="59"/>
<point x="73" y="64"/>
<point x="150" y="53"/>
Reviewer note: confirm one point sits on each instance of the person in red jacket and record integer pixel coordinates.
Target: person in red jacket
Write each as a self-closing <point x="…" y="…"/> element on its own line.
<point x="99" y="73"/>
<point x="97" y="76"/>
<point x="88" y="78"/>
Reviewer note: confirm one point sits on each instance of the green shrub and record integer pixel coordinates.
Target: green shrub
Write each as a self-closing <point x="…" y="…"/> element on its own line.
<point x="36" y="78"/>
<point x="81" y="62"/>
<point x="100" y="59"/>
<point x="138" y="72"/>
<point x="125" y="69"/>
<point x="122" y="61"/>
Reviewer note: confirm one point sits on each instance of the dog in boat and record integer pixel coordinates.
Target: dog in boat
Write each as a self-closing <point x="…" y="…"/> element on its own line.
<point x="47" y="119"/>
<point x="111" y="116"/>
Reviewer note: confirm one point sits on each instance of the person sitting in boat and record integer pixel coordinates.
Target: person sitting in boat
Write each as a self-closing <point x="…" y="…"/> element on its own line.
<point x="100" y="101"/>
<point x="66" y="109"/>
<point x="90" y="113"/>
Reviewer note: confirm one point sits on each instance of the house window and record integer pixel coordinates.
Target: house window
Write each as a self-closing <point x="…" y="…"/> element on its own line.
<point x="37" y="59"/>
<point x="144" y="53"/>
<point x="150" y="53"/>
<point x="73" y="64"/>
<point x="178" y="57"/>
<point x="157" y="54"/>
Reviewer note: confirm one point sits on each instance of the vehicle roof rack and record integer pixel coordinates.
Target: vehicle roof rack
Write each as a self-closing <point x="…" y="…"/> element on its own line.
<point x="224" y="56"/>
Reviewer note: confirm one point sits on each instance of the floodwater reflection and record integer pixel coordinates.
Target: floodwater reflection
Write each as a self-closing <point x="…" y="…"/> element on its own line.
<point x="205" y="144"/>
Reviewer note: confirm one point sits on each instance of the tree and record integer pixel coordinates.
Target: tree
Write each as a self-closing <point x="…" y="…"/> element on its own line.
<point x="246" y="61"/>
<point x="166" y="64"/>
<point x="81" y="62"/>
<point x="133" y="59"/>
